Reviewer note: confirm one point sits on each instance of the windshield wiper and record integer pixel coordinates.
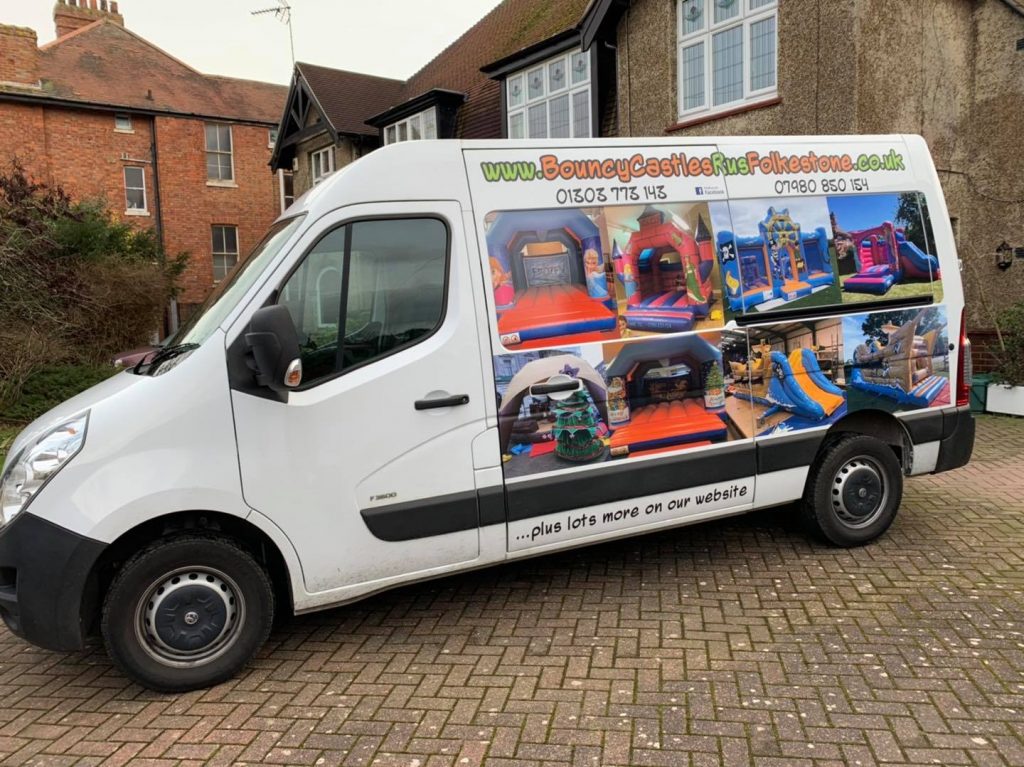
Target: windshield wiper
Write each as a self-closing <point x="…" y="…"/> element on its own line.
<point x="160" y="356"/>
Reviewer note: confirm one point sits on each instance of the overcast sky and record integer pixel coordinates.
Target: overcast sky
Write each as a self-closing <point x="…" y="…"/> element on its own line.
<point x="392" y="38"/>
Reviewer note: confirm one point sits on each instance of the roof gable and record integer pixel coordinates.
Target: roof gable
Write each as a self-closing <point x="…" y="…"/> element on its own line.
<point x="108" y="65"/>
<point x="347" y="99"/>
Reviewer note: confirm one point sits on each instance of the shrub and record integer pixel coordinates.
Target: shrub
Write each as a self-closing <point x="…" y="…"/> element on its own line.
<point x="1010" y="353"/>
<point x="76" y="286"/>
<point x="49" y="386"/>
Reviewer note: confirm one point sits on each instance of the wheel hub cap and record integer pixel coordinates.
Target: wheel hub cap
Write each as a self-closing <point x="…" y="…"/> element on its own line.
<point x="859" y="492"/>
<point x="190" y="616"/>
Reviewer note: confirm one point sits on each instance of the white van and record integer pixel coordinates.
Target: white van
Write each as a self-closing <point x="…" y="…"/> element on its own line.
<point x="452" y="354"/>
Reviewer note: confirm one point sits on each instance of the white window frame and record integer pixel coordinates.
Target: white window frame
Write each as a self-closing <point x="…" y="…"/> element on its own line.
<point x="118" y="128"/>
<point x="272" y="135"/>
<point x="570" y="89"/>
<point x="745" y="19"/>
<point x="280" y="186"/>
<point x="144" y="210"/>
<point x="214" y="253"/>
<point x="219" y="151"/>
<point x="404" y="127"/>
<point x="327" y="153"/>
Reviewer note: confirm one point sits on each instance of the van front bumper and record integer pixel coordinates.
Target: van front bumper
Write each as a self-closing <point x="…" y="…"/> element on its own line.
<point x="47" y="584"/>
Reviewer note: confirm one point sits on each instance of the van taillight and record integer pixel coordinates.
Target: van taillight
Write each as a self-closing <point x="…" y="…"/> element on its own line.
<point x="964" y="367"/>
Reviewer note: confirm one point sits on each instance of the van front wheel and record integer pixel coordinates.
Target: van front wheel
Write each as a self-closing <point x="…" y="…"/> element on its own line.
<point x="187" y="612"/>
<point x="853" y="492"/>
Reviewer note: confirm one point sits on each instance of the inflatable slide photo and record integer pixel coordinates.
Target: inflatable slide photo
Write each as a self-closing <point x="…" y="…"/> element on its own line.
<point x="801" y="384"/>
<point x="885" y="245"/>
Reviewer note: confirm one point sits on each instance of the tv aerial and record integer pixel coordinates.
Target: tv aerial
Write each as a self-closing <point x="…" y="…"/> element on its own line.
<point x="283" y="13"/>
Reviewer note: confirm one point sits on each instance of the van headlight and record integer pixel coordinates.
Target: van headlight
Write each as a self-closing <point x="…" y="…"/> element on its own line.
<point x="37" y="463"/>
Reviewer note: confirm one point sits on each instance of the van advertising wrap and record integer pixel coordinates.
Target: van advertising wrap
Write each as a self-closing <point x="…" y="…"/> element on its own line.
<point x="615" y="276"/>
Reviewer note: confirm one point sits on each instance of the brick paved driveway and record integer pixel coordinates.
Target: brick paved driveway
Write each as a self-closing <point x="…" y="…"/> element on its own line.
<point x="728" y="643"/>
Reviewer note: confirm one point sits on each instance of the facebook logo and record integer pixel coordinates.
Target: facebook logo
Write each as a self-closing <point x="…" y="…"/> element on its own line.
<point x="700" y="191"/>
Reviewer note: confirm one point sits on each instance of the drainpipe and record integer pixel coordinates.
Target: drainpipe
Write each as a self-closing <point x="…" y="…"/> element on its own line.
<point x="172" y="309"/>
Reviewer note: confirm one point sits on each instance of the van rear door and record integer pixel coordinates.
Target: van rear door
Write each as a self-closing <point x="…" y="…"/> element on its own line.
<point x="371" y="456"/>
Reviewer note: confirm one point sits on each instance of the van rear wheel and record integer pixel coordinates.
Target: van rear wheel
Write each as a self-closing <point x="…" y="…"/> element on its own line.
<point x="187" y="612"/>
<point x="853" y="491"/>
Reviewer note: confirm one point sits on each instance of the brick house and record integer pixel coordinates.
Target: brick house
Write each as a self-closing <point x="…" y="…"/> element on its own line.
<point x="951" y="70"/>
<point x="104" y="113"/>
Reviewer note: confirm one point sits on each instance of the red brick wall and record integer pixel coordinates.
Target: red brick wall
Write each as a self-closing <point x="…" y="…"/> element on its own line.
<point x="191" y="206"/>
<point x="81" y="151"/>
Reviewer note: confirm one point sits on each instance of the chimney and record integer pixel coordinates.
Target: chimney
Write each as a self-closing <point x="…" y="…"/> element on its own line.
<point x="19" y="56"/>
<point x="69" y="15"/>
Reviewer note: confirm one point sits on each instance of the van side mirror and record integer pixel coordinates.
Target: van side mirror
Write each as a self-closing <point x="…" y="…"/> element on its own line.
<point x="274" y="349"/>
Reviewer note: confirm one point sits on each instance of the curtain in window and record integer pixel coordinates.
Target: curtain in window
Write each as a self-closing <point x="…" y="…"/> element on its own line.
<point x="539" y="121"/>
<point x="762" y="54"/>
<point x="559" y="117"/>
<point x="581" y="114"/>
<point x="693" y="76"/>
<point x="727" y="65"/>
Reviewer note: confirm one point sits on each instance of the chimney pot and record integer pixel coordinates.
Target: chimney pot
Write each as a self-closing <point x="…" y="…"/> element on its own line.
<point x="70" y="15"/>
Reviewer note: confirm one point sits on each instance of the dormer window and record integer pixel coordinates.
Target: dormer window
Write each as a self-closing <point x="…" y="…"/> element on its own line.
<point x="422" y="125"/>
<point x="551" y="99"/>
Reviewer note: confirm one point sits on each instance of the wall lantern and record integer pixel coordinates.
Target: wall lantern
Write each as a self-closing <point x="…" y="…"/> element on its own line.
<point x="1004" y="256"/>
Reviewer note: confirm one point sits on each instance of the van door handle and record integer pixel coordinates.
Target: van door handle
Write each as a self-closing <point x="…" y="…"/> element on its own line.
<point x="552" y="388"/>
<point x="453" y="401"/>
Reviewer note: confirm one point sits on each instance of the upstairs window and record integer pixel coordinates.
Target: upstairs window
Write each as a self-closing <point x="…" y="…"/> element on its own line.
<point x="728" y="54"/>
<point x="551" y="99"/>
<point x="272" y="138"/>
<point x="123" y="123"/>
<point x="225" y="250"/>
<point x="286" y="187"/>
<point x="321" y="164"/>
<point x="418" y="126"/>
<point x="135" y="189"/>
<point x="219" y="160"/>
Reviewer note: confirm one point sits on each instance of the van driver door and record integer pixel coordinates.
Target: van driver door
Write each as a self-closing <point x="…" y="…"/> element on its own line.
<point x="367" y="467"/>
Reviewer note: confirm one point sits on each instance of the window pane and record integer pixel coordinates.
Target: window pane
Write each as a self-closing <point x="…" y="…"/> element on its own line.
<point x="414" y="128"/>
<point x="136" y="199"/>
<point x="535" y="80"/>
<point x="539" y="121"/>
<point x="580" y="67"/>
<point x="727" y="9"/>
<point x="218" y="239"/>
<point x="692" y="12"/>
<point x="556" y="75"/>
<point x="230" y="239"/>
<point x="560" y="117"/>
<point x="727" y="66"/>
<point x="581" y="114"/>
<point x="755" y="4"/>
<point x="211" y="137"/>
<point x="515" y="125"/>
<point x="225" y="167"/>
<point x="693" y="76"/>
<point x="133" y="177"/>
<point x="430" y="123"/>
<point x="122" y="122"/>
<point x="389" y="135"/>
<point x="313" y="298"/>
<point x="515" y="91"/>
<point x="225" y="138"/>
<point x="272" y="137"/>
<point x="396" y="286"/>
<point x="762" y="54"/>
<point x="403" y="131"/>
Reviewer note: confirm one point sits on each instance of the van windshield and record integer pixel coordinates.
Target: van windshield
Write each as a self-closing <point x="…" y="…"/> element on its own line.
<point x="208" y="317"/>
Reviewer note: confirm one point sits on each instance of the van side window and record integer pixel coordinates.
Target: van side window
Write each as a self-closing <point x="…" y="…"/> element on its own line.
<point x="365" y="290"/>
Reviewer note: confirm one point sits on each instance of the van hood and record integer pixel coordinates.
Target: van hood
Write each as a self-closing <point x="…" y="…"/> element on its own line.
<point x="72" y="407"/>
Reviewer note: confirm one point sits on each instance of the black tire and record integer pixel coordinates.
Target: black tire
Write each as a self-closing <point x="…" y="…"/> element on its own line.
<point x="187" y="612"/>
<point x="853" y="491"/>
